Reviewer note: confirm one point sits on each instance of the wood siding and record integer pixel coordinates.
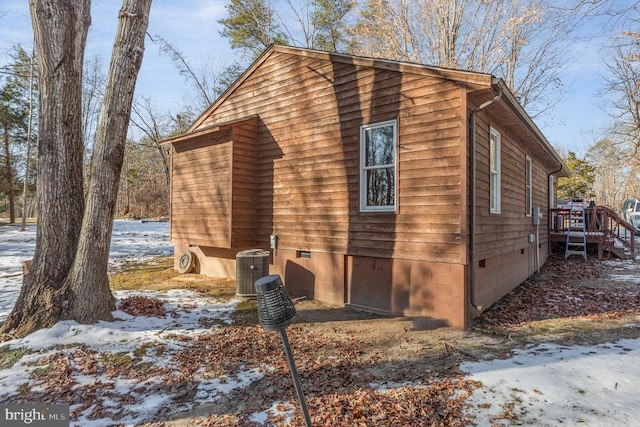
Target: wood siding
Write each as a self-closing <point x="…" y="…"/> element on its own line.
<point x="213" y="187"/>
<point x="279" y="153"/>
<point x="201" y="208"/>
<point x="243" y="184"/>
<point x="508" y="231"/>
<point x="307" y="170"/>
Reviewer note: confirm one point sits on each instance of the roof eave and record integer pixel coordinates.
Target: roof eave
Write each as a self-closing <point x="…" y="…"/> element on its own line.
<point x="509" y="98"/>
<point x="206" y="130"/>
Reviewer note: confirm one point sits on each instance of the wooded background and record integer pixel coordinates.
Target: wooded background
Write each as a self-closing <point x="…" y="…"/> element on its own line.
<point x="522" y="41"/>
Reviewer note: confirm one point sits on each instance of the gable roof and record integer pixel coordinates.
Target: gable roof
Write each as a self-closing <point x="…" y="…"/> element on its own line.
<point x="474" y="82"/>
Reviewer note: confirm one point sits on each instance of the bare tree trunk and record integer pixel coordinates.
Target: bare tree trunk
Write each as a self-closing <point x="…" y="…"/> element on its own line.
<point x="8" y="175"/>
<point x="25" y="184"/>
<point x="622" y="80"/>
<point x="60" y="29"/>
<point x="90" y="298"/>
<point x="146" y="119"/>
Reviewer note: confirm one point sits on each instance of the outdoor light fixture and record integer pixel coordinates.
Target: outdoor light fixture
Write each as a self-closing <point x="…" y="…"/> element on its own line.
<point x="276" y="312"/>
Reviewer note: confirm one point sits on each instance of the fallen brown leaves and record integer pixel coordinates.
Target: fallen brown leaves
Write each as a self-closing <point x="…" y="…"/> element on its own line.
<point x="336" y="381"/>
<point x="343" y="385"/>
<point x="138" y="305"/>
<point x="434" y="403"/>
<point x="62" y="378"/>
<point x="562" y="291"/>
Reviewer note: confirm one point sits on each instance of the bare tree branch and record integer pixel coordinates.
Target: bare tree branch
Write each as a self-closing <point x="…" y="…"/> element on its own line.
<point x="185" y="69"/>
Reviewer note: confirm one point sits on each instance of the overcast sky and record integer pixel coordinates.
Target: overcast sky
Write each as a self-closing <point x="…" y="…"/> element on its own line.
<point x="191" y="26"/>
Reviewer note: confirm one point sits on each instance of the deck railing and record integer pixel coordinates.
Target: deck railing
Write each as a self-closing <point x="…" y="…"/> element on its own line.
<point x="599" y="220"/>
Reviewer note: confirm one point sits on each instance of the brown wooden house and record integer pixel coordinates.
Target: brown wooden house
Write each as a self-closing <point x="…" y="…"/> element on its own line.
<point x="362" y="169"/>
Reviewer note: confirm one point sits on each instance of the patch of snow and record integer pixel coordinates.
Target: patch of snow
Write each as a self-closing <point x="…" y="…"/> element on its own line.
<point x="128" y="332"/>
<point x="131" y="241"/>
<point x="284" y="409"/>
<point x="209" y="390"/>
<point x="544" y="385"/>
<point x="624" y="278"/>
<point x="550" y="385"/>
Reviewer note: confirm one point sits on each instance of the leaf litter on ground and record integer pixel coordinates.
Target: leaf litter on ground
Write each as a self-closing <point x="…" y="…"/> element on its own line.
<point x="176" y="357"/>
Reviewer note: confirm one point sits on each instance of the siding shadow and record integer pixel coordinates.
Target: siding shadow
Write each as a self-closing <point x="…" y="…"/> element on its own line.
<point x="268" y="152"/>
<point x="367" y="96"/>
<point x="302" y="279"/>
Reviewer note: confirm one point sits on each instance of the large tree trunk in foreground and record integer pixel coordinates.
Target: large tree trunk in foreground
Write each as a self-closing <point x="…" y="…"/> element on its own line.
<point x="68" y="277"/>
<point x="60" y="29"/>
<point x="90" y="298"/>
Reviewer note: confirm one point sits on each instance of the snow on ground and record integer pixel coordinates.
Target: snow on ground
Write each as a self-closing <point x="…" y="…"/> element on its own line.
<point x="544" y="385"/>
<point x="131" y="241"/>
<point x="127" y="335"/>
<point x="551" y="385"/>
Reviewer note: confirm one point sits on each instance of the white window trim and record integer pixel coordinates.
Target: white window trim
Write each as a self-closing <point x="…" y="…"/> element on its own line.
<point x="363" y="170"/>
<point x="528" y="186"/>
<point x="495" y="192"/>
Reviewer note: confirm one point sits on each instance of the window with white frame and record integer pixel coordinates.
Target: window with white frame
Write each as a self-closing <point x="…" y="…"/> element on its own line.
<point x="494" y="170"/>
<point x="528" y="194"/>
<point x="378" y="166"/>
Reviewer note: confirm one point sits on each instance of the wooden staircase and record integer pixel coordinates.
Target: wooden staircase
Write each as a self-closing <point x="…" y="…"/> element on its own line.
<point x="617" y="235"/>
<point x="603" y="227"/>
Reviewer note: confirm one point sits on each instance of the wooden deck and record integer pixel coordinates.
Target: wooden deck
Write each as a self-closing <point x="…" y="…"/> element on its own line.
<point x="605" y="230"/>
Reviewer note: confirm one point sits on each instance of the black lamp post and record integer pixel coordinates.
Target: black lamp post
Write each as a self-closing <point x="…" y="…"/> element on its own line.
<point x="276" y="312"/>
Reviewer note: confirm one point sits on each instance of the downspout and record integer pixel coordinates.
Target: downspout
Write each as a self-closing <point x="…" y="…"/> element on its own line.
<point x="553" y="173"/>
<point x="472" y="225"/>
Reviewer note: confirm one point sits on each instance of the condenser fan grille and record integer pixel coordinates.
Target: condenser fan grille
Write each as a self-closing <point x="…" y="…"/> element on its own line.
<point x="251" y="265"/>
